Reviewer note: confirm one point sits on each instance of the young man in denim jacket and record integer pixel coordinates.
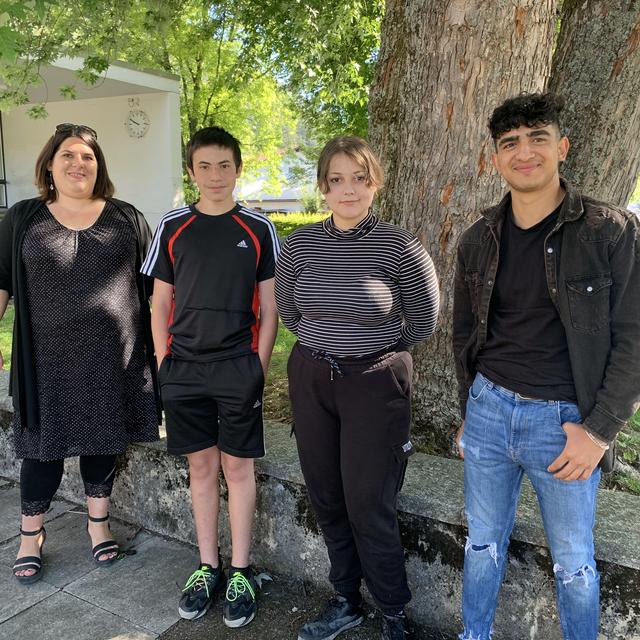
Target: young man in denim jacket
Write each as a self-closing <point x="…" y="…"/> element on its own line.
<point x="547" y="345"/>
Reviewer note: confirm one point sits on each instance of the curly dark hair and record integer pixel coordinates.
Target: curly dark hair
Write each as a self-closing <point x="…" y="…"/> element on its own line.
<point x="526" y="109"/>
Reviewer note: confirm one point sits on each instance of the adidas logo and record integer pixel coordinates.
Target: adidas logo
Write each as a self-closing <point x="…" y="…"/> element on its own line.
<point x="242" y="244"/>
<point x="257" y="404"/>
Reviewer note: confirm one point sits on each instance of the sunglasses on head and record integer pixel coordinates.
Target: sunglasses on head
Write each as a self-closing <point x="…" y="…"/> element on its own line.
<point x="69" y="127"/>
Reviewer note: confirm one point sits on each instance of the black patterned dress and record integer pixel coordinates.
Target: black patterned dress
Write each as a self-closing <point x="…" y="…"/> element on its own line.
<point x="95" y="390"/>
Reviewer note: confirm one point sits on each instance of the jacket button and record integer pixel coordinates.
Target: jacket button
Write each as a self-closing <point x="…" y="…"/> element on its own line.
<point x="482" y="321"/>
<point x="589" y="288"/>
<point x="549" y="249"/>
<point x="489" y="282"/>
<point x="554" y="291"/>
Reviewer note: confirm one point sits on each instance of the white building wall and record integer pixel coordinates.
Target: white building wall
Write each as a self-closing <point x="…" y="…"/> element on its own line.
<point x="145" y="171"/>
<point x="275" y="204"/>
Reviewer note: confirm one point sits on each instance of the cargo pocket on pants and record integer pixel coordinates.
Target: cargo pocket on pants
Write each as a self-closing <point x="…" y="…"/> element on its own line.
<point x="401" y="453"/>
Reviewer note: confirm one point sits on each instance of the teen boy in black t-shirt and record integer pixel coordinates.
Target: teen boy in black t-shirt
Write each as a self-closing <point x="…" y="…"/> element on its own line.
<point x="214" y="323"/>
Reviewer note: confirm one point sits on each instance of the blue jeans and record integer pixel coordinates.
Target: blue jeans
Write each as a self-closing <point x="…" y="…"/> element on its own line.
<point x="505" y="436"/>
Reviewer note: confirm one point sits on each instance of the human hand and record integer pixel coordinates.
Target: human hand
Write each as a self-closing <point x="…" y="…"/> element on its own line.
<point x="459" y="434"/>
<point x="579" y="457"/>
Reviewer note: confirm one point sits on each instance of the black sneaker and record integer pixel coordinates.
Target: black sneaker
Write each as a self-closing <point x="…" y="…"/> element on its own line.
<point x="396" y="628"/>
<point x="199" y="591"/>
<point x="240" y="600"/>
<point x="338" y="616"/>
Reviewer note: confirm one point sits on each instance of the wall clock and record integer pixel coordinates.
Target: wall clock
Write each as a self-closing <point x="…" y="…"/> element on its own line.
<point x="137" y="122"/>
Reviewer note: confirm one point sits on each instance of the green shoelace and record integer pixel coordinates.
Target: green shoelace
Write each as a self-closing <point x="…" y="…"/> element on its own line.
<point x="198" y="579"/>
<point x="237" y="586"/>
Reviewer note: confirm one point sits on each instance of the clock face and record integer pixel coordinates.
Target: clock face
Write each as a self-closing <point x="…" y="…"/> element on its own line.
<point x="137" y="123"/>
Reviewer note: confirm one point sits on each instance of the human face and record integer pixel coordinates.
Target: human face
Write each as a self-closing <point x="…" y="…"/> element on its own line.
<point x="74" y="169"/>
<point x="215" y="173"/>
<point x="528" y="157"/>
<point x="349" y="196"/>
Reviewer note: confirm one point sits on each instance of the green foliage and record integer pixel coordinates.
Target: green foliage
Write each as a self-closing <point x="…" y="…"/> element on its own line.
<point x="199" y="42"/>
<point x="37" y="32"/>
<point x="622" y="482"/>
<point x="37" y="112"/>
<point x="312" y="201"/>
<point x="68" y="92"/>
<point x="241" y="63"/>
<point x="286" y="223"/>
<point x="629" y="441"/>
<point x="325" y="50"/>
<point x="6" y="331"/>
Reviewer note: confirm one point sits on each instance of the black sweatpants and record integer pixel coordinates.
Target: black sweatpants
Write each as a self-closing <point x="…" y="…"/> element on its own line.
<point x="39" y="480"/>
<point x="352" y="420"/>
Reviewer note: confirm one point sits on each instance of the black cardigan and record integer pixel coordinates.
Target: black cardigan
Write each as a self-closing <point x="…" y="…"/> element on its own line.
<point x="22" y="385"/>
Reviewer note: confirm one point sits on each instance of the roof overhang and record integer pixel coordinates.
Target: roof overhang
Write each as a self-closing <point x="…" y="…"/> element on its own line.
<point x="120" y="79"/>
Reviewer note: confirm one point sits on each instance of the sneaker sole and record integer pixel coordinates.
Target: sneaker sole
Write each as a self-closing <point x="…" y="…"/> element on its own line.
<point x="346" y="627"/>
<point x="193" y="615"/>
<point x="240" y="622"/>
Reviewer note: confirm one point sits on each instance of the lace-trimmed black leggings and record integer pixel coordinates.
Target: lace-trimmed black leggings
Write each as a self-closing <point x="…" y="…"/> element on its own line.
<point x="39" y="481"/>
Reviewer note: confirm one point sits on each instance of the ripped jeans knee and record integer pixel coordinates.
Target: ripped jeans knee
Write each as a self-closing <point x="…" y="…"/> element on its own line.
<point x="585" y="576"/>
<point x="491" y="549"/>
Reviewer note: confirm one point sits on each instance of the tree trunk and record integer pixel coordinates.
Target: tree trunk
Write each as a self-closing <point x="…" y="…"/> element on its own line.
<point x="596" y="67"/>
<point x="443" y="67"/>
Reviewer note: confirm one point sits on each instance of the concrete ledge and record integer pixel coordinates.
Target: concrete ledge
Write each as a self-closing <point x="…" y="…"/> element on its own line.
<point x="152" y="490"/>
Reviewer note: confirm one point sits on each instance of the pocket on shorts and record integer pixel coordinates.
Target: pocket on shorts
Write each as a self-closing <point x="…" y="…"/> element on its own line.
<point x="163" y="370"/>
<point x="260" y="370"/>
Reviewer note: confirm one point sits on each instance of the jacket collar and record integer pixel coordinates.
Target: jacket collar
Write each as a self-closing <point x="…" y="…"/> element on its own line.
<point x="571" y="210"/>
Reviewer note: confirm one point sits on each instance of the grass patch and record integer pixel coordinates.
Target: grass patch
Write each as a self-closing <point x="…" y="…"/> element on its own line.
<point x="6" y="330"/>
<point x="288" y="222"/>
<point x="276" y="390"/>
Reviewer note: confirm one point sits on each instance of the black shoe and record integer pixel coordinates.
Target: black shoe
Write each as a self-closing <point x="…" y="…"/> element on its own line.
<point x="240" y="600"/>
<point x="338" y="616"/>
<point x="199" y="591"/>
<point x="33" y="563"/>
<point x="396" y="628"/>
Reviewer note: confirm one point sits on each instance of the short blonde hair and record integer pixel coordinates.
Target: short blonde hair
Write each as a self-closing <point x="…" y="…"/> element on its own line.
<point x="359" y="151"/>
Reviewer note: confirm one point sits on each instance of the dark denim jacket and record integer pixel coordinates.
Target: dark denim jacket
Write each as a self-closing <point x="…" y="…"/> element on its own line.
<point x="592" y="260"/>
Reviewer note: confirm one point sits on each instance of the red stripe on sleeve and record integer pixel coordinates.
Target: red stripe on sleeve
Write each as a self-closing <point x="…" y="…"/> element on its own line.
<point x="174" y="237"/>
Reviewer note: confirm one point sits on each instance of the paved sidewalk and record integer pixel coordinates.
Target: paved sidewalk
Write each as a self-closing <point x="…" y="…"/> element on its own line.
<point x="136" y="598"/>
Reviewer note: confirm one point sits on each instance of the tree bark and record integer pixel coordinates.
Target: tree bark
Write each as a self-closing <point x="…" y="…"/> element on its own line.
<point x="596" y="67"/>
<point x="443" y="67"/>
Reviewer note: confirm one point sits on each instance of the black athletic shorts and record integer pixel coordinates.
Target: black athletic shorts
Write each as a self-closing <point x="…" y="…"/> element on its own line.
<point x="209" y="404"/>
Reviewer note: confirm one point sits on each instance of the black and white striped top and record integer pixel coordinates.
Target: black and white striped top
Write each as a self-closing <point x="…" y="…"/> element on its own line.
<point x="356" y="292"/>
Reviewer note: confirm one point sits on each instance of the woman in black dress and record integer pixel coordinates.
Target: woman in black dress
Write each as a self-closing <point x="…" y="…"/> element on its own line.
<point x="82" y="366"/>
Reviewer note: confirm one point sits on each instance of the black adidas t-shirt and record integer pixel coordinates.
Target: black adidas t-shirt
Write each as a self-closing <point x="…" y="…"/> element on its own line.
<point x="526" y="349"/>
<point x="215" y="264"/>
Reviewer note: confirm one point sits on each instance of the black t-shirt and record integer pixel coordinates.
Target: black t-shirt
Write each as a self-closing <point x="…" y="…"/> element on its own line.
<point x="526" y="349"/>
<point x="215" y="264"/>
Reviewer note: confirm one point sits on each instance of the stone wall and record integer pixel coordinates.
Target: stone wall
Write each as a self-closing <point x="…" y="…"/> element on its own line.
<point x="152" y="491"/>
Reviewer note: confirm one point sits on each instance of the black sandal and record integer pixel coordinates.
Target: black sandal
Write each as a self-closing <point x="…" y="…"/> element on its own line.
<point x="102" y="548"/>
<point x="30" y="562"/>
